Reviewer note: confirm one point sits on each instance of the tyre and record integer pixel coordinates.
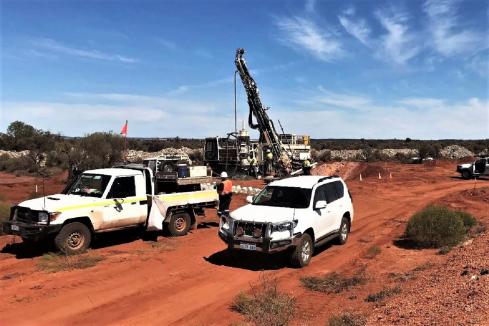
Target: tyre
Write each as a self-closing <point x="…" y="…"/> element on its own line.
<point x="179" y="224"/>
<point x="74" y="238"/>
<point x="466" y="174"/>
<point x="344" y="231"/>
<point x="302" y="253"/>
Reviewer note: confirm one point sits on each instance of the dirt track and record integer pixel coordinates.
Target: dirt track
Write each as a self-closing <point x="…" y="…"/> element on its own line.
<point x="195" y="283"/>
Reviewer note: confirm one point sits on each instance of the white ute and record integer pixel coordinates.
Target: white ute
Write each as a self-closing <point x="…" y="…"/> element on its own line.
<point x="105" y="200"/>
<point x="295" y="214"/>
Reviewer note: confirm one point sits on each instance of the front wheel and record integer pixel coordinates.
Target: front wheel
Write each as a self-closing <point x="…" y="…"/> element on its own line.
<point x="302" y="254"/>
<point x="74" y="238"/>
<point x="344" y="230"/>
<point x="466" y="174"/>
<point x="179" y="224"/>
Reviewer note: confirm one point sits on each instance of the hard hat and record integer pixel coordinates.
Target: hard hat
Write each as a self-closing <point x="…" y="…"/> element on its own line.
<point x="224" y="174"/>
<point x="268" y="150"/>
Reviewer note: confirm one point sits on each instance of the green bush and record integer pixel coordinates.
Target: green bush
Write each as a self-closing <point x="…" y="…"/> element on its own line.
<point x="347" y="319"/>
<point x="332" y="282"/>
<point x="266" y="305"/>
<point x="438" y="226"/>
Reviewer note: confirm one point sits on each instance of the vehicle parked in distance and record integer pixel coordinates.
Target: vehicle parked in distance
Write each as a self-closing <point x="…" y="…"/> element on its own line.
<point x="472" y="170"/>
<point x="105" y="200"/>
<point x="296" y="214"/>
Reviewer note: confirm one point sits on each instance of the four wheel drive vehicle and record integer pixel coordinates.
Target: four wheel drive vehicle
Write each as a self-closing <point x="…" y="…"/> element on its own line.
<point x="470" y="170"/>
<point x="293" y="214"/>
<point x="104" y="200"/>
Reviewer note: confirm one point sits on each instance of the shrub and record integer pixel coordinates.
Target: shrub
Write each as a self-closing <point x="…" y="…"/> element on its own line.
<point x="438" y="226"/>
<point x="53" y="263"/>
<point x="385" y="293"/>
<point x="324" y="156"/>
<point x="332" y="282"/>
<point x="372" y="252"/>
<point x="347" y="319"/>
<point x="4" y="213"/>
<point x="266" y="305"/>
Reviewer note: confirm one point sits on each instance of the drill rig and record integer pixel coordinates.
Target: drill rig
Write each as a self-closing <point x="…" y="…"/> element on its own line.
<point x="282" y="159"/>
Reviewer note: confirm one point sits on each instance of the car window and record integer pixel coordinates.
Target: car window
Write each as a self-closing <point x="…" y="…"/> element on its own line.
<point x="340" y="190"/>
<point x="320" y="194"/>
<point x="122" y="187"/>
<point x="291" y="197"/>
<point x="331" y="195"/>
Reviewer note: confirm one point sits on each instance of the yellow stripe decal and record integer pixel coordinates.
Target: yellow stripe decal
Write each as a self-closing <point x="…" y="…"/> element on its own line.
<point x="212" y="195"/>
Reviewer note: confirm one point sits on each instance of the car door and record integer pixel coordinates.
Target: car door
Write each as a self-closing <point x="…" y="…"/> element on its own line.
<point x="124" y="208"/>
<point x="321" y="216"/>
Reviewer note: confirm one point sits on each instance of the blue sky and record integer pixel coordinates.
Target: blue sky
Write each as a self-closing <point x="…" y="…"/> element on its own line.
<point x="332" y="69"/>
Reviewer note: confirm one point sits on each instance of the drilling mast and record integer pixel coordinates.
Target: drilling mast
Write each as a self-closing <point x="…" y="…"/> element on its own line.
<point x="264" y="124"/>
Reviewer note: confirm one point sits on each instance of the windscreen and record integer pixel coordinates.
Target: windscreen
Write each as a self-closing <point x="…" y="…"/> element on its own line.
<point x="92" y="185"/>
<point x="291" y="197"/>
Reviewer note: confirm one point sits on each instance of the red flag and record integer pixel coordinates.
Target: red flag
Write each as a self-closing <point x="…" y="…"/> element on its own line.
<point x="124" y="129"/>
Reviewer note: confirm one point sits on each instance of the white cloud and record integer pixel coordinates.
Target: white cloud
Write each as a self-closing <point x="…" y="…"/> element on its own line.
<point x="83" y="113"/>
<point x="449" y="38"/>
<point x="356" y="27"/>
<point x="399" y="45"/>
<point x="424" y="118"/>
<point x="339" y="100"/>
<point x="52" y="46"/>
<point x="305" y="34"/>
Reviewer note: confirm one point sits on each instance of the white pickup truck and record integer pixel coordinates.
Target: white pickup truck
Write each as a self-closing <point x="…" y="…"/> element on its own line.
<point x="104" y="200"/>
<point x="476" y="169"/>
<point x="293" y="214"/>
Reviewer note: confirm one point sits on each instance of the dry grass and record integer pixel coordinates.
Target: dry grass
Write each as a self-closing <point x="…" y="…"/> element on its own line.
<point x="381" y="295"/>
<point x="372" y="252"/>
<point x="265" y="304"/>
<point x="53" y="263"/>
<point x="332" y="282"/>
<point x="347" y="319"/>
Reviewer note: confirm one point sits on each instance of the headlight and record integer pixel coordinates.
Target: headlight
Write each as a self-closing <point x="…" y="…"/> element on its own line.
<point x="43" y="218"/>
<point x="224" y="223"/>
<point x="286" y="226"/>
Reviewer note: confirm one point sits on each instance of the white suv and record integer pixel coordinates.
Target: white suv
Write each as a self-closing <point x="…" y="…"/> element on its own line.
<point x="297" y="213"/>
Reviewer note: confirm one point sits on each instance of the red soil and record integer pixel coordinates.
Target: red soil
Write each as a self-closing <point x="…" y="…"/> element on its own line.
<point x="195" y="283"/>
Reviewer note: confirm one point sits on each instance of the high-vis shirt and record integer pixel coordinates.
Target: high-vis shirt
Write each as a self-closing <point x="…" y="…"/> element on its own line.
<point x="227" y="187"/>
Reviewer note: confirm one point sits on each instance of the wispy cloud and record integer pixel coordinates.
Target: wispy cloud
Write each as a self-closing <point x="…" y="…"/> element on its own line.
<point x="339" y="100"/>
<point x="305" y="34"/>
<point x="356" y="27"/>
<point x="399" y="44"/>
<point x="310" y="6"/>
<point x="203" y="53"/>
<point x="55" y="47"/>
<point x="166" y="43"/>
<point x="448" y="37"/>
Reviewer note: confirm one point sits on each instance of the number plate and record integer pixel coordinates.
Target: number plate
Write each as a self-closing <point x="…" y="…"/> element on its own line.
<point x="247" y="246"/>
<point x="15" y="228"/>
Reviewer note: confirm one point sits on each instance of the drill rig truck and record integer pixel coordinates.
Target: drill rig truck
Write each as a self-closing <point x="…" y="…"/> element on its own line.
<point x="235" y="152"/>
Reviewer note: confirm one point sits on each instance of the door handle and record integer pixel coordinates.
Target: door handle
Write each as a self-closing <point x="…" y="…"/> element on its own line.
<point x="133" y="203"/>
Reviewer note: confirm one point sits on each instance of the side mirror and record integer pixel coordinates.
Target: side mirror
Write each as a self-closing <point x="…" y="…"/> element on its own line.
<point x="249" y="199"/>
<point x="320" y="204"/>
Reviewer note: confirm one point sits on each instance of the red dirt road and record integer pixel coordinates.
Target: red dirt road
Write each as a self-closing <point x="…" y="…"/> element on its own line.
<point x="195" y="283"/>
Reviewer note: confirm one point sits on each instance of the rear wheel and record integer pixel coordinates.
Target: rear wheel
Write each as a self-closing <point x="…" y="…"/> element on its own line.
<point x="466" y="174"/>
<point x="74" y="238"/>
<point x="180" y="224"/>
<point x="344" y="230"/>
<point x="302" y="254"/>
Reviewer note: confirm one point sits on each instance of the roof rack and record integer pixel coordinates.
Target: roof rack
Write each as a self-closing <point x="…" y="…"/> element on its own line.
<point x="328" y="177"/>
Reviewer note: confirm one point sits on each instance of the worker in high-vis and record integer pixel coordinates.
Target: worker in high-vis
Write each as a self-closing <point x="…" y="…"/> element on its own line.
<point x="268" y="162"/>
<point x="225" y="191"/>
<point x="306" y="167"/>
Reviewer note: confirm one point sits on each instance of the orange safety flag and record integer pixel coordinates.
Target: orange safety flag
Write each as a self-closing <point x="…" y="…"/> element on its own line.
<point x="124" y="129"/>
